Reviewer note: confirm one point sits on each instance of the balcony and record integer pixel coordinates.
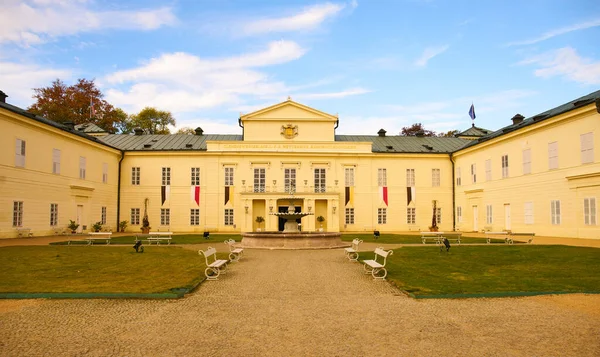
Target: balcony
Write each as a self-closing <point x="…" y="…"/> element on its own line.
<point x="285" y="190"/>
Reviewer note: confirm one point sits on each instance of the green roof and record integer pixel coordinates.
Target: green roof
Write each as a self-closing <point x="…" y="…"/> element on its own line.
<point x="166" y="142"/>
<point x="89" y="128"/>
<point x="474" y="131"/>
<point x="408" y="144"/>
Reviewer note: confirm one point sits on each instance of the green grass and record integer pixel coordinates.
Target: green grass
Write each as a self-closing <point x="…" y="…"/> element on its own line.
<point x="408" y="239"/>
<point x="177" y="239"/>
<point x="494" y="269"/>
<point x="65" y="269"/>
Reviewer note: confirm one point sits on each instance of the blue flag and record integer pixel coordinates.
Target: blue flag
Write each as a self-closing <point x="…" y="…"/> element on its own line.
<point x="472" y="112"/>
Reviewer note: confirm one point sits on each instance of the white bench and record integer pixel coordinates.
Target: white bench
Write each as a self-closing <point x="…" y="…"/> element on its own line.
<point x="158" y="236"/>
<point x="24" y="232"/>
<point x="214" y="266"/>
<point x="234" y="253"/>
<point x="528" y="236"/>
<point x="436" y="237"/>
<point x="352" y="252"/>
<point x="93" y="236"/>
<point x="375" y="268"/>
<point x="60" y="231"/>
<point x="498" y="235"/>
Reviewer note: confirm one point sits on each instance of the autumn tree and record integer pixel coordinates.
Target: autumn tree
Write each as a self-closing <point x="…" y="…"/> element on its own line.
<point x="153" y="120"/>
<point x="448" y="134"/>
<point x="186" y="130"/>
<point x="415" y="129"/>
<point x="62" y="103"/>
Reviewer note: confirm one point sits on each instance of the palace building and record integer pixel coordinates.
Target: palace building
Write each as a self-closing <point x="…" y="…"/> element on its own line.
<point x="539" y="174"/>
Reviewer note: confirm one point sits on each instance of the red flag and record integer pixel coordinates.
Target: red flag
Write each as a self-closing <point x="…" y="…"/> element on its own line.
<point x="383" y="193"/>
<point x="195" y="194"/>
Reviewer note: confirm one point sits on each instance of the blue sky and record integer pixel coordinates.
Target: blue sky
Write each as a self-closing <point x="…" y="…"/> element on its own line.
<point x="377" y="64"/>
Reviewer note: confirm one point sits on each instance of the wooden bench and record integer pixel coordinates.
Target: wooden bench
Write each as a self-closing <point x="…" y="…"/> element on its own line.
<point x="214" y="266"/>
<point x="352" y="252"/>
<point x="528" y="236"/>
<point x="499" y="235"/>
<point x="375" y="268"/>
<point x="158" y="236"/>
<point x="234" y="253"/>
<point x="24" y="232"/>
<point x="93" y="236"/>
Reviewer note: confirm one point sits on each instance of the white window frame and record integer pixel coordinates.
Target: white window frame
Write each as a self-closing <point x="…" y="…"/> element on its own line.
<point x="20" y="153"/>
<point x="229" y="171"/>
<point x="135" y="217"/>
<point x="165" y="216"/>
<point x="320" y="179"/>
<point x="103" y="215"/>
<point x="104" y="172"/>
<point x="553" y="155"/>
<point x="555" y="212"/>
<point x="349" y="176"/>
<point x="488" y="170"/>
<point x="135" y="176"/>
<point x="382" y="177"/>
<point x="489" y="214"/>
<point x="289" y="179"/>
<point x="195" y="176"/>
<point x="528" y="212"/>
<point x="228" y="217"/>
<point x="54" y="214"/>
<point x="458" y="177"/>
<point x="410" y="177"/>
<point x="459" y="214"/>
<point x="473" y="173"/>
<point x="411" y="215"/>
<point x="382" y="216"/>
<point x="504" y="166"/>
<point x="349" y="215"/>
<point x="260" y="179"/>
<point x="435" y="177"/>
<point x="587" y="148"/>
<point x="589" y="211"/>
<point x="56" y="161"/>
<point x="166" y="176"/>
<point x="526" y="161"/>
<point x="17" y="214"/>
<point x="194" y="216"/>
<point x="82" y="167"/>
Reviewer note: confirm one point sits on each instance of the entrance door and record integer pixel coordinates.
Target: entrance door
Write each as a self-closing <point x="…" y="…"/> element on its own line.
<point x="79" y="218"/>
<point x="507" y="217"/>
<point x="284" y="209"/>
<point x="475" y="219"/>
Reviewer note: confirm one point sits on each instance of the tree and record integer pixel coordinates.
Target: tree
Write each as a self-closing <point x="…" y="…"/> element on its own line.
<point x="186" y="130"/>
<point x="448" y="134"/>
<point x="414" y="129"/>
<point x="62" y="103"/>
<point x="154" y="120"/>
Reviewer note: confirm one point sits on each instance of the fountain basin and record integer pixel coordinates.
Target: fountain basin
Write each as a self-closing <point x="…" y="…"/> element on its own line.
<point x="295" y="240"/>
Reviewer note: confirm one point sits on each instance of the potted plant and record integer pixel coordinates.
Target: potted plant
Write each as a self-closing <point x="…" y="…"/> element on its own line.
<point x="321" y="219"/>
<point x="73" y="226"/>
<point x="122" y="226"/>
<point x="434" y="226"/>
<point x="145" y="222"/>
<point x="259" y="220"/>
<point x="97" y="226"/>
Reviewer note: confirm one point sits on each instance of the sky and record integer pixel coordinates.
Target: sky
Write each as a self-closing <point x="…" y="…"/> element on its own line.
<point x="378" y="64"/>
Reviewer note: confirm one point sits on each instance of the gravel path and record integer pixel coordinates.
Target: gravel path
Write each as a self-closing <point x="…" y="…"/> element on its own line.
<point x="301" y="303"/>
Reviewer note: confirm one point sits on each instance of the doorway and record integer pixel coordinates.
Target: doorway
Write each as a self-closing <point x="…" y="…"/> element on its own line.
<point x="475" y="219"/>
<point x="284" y="209"/>
<point x="507" y="217"/>
<point x="79" y="218"/>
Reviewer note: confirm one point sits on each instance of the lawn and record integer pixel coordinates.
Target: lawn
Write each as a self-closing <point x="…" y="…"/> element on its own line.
<point x="177" y="239"/>
<point x="67" y="269"/>
<point x="406" y="238"/>
<point x="425" y="271"/>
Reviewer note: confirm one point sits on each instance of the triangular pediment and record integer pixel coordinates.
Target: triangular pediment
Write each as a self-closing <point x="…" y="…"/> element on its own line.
<point x="289" y="110"/>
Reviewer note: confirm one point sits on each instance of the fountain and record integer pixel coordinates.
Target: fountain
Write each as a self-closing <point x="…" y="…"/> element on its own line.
<point x="292" y="237"/>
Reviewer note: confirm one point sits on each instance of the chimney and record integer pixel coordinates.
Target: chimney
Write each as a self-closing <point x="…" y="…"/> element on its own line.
<point x="199" y="131"/>
<point x="70" y="125"/>
<point x="3" y="97"/>
<point x="138" y="131"/>
<point x="517" y="119"/>
<point x="381" y="132"/>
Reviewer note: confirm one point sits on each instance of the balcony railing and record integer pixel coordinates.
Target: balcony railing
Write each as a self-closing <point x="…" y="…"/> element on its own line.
<point x="285" y="190"/>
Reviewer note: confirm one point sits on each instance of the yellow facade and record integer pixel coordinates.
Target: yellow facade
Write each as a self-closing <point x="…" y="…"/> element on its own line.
<point x="242" y="179"/>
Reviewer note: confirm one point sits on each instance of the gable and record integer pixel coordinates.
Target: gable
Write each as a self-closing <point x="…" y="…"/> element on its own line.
<point x="289" y="110"/>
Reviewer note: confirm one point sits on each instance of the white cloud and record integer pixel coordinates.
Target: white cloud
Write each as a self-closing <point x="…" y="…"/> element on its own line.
<point x="331" y="95"/>
<point x="210" y="126"/>
<point x="429" y="53"/>
<point x="18" y="80"/>
<point x="33" y="22"/>
<point x="567" y="63"/>
<point x="557" y="32"/>
<point x="307" y="19"/>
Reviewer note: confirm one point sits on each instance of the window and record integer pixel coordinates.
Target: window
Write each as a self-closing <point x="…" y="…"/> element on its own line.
<point x="587" y="148"/>
<point x="194" y="217"/>
<point x="135" y="216"/>
<point x="54" y="214"/>
<point x="488" y="170"/>
<point x="458" y="178"/>
<point x="349" y="176"/>
<point x="382" y="177"/>
<point x="259" y="180"/>
<point x="290" y="180"/>
<point x="82" y="167"/>
<point x="166" y="176"/>
<point x="20" y="153"/>
<point x="135" y="176"/>
<point x="56" y="161"/>
<point x="504" y="166"/>
<point x="528" y="212"/>
<point x="229" y="176"/>
<point x="165" y="216"/>
<point x="526" y="162"/>
<point x="488" y="214"/>
<point x="17" y="213"/>
<point x="320" y="180"/>
<point x="410" y="177"/>
<point x="553" y="155"/>
<point x="589" y="211"/>
<point x="195" y="176"/>
<point x="473" y="173"/>
<point x="381" y="215"/>
<point x="555" y="211"/>
<point x="104" y="173"/>
<point x="459" y="214"/>
<point x="435" y="177"/>
<point x="103" y="216"/>
<point x="438" y="215"/>
<point x="411" y="216"/>
<point x="229" y="216"/>
<point x="349" y="215"/>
